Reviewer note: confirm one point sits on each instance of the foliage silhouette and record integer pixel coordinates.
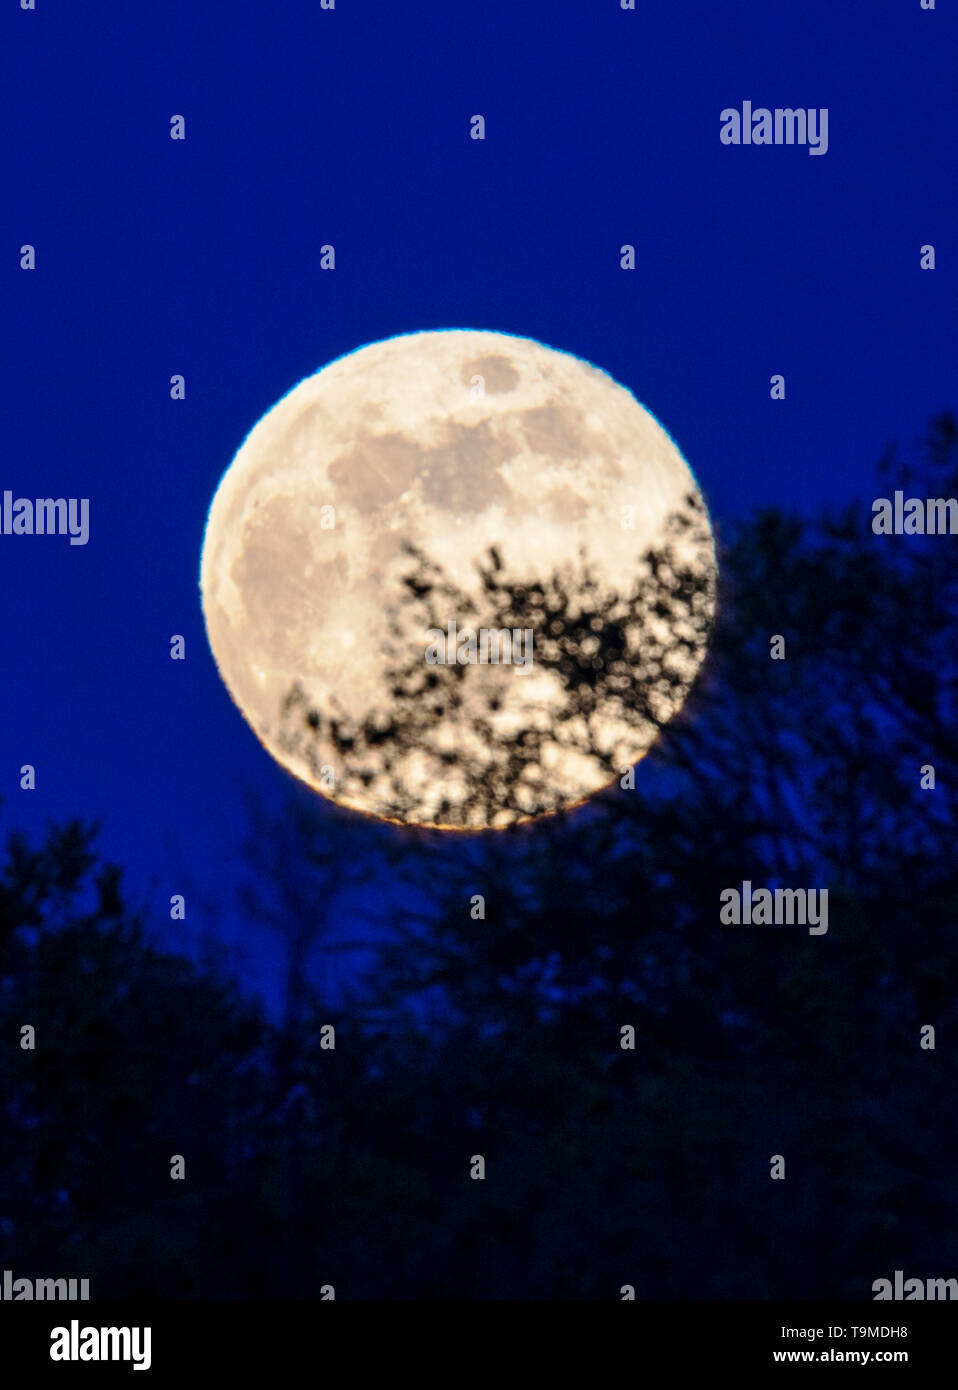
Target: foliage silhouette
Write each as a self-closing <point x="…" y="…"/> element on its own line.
<point x="613" y="668"/>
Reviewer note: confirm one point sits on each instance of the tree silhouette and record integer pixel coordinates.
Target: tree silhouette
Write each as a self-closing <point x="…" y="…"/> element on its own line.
<point x="616" y="667"/>
<point x="501" y="1034"/>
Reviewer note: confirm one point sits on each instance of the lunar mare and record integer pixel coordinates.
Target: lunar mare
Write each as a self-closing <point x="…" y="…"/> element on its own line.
<point x="467" y="477"/>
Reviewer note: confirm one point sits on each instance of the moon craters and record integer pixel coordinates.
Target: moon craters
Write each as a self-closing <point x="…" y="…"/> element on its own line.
<point x="549" y="511"/>
<point x="497" y="374"/>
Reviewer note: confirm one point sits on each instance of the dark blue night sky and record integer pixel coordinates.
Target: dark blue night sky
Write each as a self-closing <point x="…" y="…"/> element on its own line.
<point x="350" y="127"/>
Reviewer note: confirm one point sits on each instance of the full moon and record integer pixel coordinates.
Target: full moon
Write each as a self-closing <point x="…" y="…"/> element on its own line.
<point x="458" y="579"/>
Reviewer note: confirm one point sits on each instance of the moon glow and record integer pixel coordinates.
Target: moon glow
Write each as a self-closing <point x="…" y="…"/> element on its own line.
<point x="467" y="478"/>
